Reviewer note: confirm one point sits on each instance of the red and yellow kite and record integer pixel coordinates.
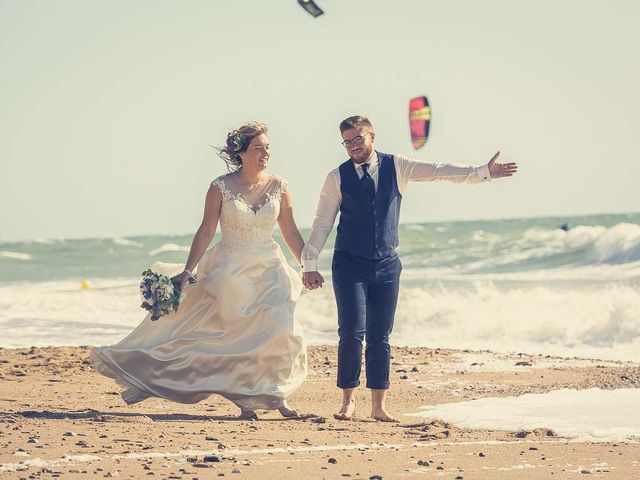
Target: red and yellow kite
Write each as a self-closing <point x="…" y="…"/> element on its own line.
<point x="419" y="120"/>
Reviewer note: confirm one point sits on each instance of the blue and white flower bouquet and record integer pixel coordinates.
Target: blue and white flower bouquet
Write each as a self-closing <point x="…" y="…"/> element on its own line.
<point x="160" y="294"/>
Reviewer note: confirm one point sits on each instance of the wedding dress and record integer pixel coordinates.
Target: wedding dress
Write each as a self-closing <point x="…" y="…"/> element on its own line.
<point x="234" y="334"/>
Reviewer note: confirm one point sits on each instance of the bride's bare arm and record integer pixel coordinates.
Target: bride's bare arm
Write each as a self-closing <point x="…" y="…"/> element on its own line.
<point x="288" y="226"/>
<point x="205" y="233"/>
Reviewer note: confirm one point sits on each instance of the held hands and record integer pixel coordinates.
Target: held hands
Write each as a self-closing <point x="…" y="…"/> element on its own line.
<point x="312" y="280"/>
<point x="499" y="170"/>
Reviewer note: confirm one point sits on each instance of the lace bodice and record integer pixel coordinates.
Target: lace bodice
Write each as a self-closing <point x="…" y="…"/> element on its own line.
<point x="248" y="216"/>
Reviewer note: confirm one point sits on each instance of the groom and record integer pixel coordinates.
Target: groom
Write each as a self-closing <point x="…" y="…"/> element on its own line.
<point x="367" y="190"/>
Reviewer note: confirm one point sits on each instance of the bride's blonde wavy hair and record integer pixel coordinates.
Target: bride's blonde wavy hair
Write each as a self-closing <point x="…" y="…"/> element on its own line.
<point x="237" y="142"/>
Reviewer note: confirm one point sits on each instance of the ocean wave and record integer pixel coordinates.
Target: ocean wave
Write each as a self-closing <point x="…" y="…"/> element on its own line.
<point x="485" y="237"/>
<point x="617" y="244"/>
<point x="541" y="249"/>
<point x="597" y="323"/>
<point x="168" y="247"/>
<point x="126" y="243"/>
<point x="15" y="255"/>
<point x="44" y="241"/>
<point x="577" y="237"/>
<point x="595" y="273"/>
<point x="501" y="317"/>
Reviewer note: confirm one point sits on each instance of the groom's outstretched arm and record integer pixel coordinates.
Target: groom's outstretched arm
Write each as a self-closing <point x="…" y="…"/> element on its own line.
<point x="410" y="170"/>
<point x="328" y="207"/>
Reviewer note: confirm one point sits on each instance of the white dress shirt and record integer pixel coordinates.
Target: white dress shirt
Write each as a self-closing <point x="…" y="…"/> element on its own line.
<point x="407" y="170"/>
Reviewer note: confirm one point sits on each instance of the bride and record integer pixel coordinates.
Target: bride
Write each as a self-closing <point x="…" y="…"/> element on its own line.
<point x="234" y="333"/>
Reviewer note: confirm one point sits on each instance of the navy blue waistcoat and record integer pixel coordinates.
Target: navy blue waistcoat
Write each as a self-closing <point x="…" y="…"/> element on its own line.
<point x="369" y="228"/>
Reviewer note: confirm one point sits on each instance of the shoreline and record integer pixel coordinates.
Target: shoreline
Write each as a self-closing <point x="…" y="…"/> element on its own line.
<point x="497" y="352"/>
<point x="60" y="418"/>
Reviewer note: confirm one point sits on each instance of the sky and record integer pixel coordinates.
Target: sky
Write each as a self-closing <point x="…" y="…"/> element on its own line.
<point x="108" y="108"/>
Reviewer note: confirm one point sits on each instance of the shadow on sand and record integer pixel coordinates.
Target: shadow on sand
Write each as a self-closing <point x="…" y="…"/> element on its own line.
<point x="90" y="414"/>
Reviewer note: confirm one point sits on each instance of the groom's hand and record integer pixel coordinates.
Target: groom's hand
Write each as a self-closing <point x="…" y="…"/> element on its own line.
<point x="500" y="170"/>
<point x="312" y="280"/>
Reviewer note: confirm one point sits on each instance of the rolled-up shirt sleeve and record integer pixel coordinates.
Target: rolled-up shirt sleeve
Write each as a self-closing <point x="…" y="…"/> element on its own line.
<point x="409" y="170"/>
<point x="328" y="207"/>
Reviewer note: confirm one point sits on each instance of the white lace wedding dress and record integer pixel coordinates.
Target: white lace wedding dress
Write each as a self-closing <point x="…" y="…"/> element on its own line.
<point x="235" y="333"/>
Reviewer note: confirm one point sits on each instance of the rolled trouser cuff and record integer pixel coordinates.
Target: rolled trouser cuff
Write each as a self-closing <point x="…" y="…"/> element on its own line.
<point x="379" y="386"/>
<point x="352" y="384"/>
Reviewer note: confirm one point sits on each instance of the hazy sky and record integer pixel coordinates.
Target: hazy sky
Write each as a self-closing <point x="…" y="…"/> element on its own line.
<point x="107" y="107"/>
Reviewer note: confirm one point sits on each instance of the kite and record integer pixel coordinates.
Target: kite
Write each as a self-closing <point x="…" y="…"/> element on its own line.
<point x="311" y="7"/>
<point x="419" y="120"/>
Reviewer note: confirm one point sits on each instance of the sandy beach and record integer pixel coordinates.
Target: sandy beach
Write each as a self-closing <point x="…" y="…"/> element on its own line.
<point x="61" y="419"/>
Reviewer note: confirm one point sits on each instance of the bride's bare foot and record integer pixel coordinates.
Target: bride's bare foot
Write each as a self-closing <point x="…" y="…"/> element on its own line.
<point x="382" y="416"/>
<point x="248" y="415"/>
<point x="286" y="412"/>
<point x="347" y="412"/>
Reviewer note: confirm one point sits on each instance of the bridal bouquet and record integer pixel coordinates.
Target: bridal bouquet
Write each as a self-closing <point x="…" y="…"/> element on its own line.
<point x="160" y="294"/>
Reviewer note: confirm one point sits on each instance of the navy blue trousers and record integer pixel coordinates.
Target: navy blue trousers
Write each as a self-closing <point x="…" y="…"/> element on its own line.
<point x="366" y="293"/>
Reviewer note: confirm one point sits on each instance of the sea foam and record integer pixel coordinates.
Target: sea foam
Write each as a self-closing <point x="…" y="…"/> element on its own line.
<point x="15" y="255"/>
<point x="168" y="247"/>
<point x="586" y="415"/>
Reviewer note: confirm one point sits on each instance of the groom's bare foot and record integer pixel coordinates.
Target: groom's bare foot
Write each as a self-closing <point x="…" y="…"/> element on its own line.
<point x="382" y="416"/>
<point x="286" y="412"/>
<point x="347" y="412"/>
<point x="248" y="415"/>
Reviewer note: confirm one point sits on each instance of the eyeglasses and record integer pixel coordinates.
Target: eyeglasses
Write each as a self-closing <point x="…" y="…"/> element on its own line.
<point x="359" y="140"/>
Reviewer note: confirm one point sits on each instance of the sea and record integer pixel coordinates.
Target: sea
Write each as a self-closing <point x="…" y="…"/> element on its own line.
<point x="567" y="286"/>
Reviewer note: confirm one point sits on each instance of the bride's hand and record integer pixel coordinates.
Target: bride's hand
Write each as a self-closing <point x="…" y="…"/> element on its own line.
<point x="312" y="280"/>
<point x="182" y="279"/>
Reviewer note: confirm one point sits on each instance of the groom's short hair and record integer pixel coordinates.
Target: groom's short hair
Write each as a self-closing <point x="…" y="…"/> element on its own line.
<point x="356" y="121"/>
